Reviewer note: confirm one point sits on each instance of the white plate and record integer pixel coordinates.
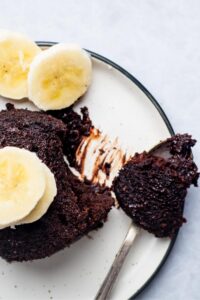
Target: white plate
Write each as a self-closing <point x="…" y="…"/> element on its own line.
<point x="120" y="106"/>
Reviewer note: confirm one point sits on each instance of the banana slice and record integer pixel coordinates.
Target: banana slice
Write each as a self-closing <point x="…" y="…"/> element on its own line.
<point x="44" y="203"/>
<point x="59" y="76"/>
<point x="16" y="54"/>
<point x="22" y="184"/>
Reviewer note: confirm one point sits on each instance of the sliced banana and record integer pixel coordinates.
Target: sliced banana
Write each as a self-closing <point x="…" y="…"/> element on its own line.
<point x="16" y="54"/>
<point x="44" y="203"/>
<point x="58" y="76"/>
<point x="22" y="184"/>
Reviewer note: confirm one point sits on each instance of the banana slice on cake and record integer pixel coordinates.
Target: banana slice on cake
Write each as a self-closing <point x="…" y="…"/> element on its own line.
<point x="58" y="76"/>
<point x="16" y="53"/>
<point x="22" y="184"/>
<point x="44" y="203"/>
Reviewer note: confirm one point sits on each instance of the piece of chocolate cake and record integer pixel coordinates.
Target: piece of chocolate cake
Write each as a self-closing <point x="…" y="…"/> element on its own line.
<point x="78" y="127"/>
<point x="152" y="189"/>
<point x="78" y="206"/>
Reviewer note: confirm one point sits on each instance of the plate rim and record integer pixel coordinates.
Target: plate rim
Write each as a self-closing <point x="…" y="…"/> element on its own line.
<point x="167" y="123"/>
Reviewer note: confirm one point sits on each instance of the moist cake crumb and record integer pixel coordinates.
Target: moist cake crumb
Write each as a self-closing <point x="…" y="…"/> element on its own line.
<point x="152" y="190"/>
<point x="78" y="126"/>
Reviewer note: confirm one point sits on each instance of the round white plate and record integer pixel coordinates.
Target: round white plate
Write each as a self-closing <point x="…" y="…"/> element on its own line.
<point x="120" y="106"/>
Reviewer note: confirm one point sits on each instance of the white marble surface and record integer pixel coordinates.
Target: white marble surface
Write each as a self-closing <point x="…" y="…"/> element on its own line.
<point x="158" y="42"/>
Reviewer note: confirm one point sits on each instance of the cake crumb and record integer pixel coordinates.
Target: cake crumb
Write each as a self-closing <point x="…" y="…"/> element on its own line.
<point x="89" y="237"/>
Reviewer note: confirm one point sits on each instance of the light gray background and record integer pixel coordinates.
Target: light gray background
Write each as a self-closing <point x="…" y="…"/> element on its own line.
<point x="159" y="43"/>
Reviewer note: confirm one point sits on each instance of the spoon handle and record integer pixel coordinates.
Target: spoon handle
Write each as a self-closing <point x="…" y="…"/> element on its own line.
<point x="111" y="277"/>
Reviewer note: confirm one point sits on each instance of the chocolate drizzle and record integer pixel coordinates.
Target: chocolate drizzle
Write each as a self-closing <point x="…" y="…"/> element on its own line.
<point x="91" y="152"/>
<point x="104" y="156"/>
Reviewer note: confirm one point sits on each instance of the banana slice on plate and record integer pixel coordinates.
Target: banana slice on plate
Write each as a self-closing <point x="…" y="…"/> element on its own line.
<point x="16" y="53"/>
<point x="58" y="76"/>
<point x="44" y="203"/>
<point x="22" y="184"/>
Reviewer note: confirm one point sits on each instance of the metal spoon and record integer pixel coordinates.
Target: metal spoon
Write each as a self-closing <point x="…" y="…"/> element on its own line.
<point x="111" y="277"/>
<point x="161" y="150"/>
